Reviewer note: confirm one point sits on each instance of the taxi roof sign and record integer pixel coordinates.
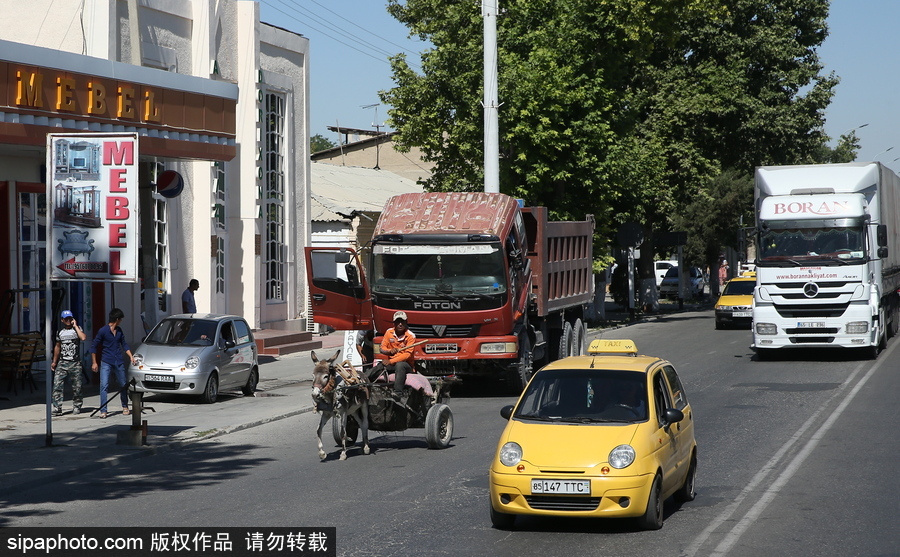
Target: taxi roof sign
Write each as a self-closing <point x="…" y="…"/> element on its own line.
<point x="612" y="346"/>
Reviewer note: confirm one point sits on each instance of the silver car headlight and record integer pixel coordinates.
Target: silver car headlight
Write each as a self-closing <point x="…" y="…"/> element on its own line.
<point x="621" y="457"/>
<point x="138" y="359"/>
<point x="510" y="454"/>
<point x="192" y="362"/>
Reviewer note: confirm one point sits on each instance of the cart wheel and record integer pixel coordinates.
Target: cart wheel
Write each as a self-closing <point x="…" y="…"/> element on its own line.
<point x="438" y="426"/>
<point x="352" y="431"/>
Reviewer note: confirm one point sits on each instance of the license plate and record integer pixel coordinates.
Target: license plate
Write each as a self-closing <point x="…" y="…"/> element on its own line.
<point x="160" y="378"/>
<point x="564" y="487"/>
<point x="442" y="348"/>
<point x="742" y="314"/>
<point x="810" y="324"/>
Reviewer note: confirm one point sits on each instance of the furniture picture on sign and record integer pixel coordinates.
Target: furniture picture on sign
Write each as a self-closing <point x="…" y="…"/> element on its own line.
<point x="75" y="242"/>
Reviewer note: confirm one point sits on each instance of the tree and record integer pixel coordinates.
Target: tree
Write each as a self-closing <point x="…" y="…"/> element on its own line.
<point x="738" y="90"/>
<point x="712" y="219"/>
<point x="564" y="68"/>
<point x="319" y="142"/>
<point x="627" y="110"/>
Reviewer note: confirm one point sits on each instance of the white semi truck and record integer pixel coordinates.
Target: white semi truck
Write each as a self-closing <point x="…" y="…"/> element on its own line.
<point x="828" y="257"/>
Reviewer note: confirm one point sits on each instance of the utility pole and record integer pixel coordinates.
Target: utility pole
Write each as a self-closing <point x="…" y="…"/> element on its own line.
<point x="377" y="127"/>
<point x="491" y="103"/>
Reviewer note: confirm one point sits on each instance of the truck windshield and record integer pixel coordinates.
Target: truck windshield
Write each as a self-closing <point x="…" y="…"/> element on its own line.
<point x="801" y="246"/>
<point x="438" y="269"/>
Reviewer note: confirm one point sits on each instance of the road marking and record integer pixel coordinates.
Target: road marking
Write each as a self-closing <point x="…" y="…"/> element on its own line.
<point x="773" y="490"/>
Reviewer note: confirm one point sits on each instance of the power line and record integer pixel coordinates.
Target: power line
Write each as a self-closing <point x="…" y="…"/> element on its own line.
<point x="335" y="29"/>
<point x="401" y="47"/>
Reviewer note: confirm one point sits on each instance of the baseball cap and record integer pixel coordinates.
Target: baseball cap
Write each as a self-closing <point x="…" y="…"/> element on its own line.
<point x="65" y="313"/>
<point x="400" y="315"/>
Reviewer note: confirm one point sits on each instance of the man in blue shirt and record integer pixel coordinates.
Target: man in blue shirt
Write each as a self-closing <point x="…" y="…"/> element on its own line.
<point x="188" y="304"/>
<point x="110" y="340"/>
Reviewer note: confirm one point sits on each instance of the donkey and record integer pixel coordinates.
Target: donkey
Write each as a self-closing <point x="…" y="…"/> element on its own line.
<point x="340" y="392"/>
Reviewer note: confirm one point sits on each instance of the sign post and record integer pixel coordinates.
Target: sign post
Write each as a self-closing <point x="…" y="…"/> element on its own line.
<point x="93" y="216"/>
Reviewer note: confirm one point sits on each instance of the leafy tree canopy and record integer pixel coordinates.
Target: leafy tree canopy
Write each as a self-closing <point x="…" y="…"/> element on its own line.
<point x="319" y="142"/>
<point x="627" y="110"/>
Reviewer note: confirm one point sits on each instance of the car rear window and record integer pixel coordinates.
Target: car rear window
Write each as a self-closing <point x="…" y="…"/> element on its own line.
<point x="739" y="288"/>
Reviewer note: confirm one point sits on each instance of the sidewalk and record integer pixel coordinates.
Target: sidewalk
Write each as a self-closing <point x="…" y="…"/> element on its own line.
<point x="82" y="443"/>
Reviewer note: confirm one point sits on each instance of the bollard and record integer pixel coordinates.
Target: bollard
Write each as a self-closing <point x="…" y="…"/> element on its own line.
<point x="137" y="434"/>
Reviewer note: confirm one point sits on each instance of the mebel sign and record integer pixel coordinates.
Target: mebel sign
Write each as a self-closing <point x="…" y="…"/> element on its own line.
<point x="93" y="193"/>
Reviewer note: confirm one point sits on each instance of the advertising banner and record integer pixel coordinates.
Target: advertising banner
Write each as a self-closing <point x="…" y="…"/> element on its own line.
<point x="92" y="195"/>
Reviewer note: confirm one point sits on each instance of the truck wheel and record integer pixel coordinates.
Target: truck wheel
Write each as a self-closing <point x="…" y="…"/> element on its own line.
<point x="523" y="369"/>
<point x="438" y="426"/>
<point x="579" y="332"/>
<point x="565" y="342"/>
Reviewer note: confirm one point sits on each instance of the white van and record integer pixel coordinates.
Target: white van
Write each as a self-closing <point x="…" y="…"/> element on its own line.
<point x="662" y="267"/>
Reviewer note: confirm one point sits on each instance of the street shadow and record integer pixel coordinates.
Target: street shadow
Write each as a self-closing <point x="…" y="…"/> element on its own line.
<point x="196" y="466"/>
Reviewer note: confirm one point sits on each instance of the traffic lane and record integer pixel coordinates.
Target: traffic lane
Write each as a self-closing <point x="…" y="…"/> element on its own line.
<point x="750" y="416"/>
<point x="843" y="498"/>
<point x="401" y="500"/>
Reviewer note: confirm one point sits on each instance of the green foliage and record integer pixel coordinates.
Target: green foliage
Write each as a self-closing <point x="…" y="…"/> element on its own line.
<point x="712" y="219"/>
<point x="626" y="110"/>
<point x="319" y="142"/>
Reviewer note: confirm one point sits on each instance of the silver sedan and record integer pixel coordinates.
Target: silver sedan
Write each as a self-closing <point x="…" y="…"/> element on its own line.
<point x="196" y="354"/>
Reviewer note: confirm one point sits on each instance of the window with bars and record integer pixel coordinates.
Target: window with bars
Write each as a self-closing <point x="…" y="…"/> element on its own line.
<point x="161" y="226"/>
<point x="218" y="170"/>
<point x="273" y="196"/>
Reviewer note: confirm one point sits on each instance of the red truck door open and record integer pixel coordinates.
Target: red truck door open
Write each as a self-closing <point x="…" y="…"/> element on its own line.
<point x="338" y="288"/>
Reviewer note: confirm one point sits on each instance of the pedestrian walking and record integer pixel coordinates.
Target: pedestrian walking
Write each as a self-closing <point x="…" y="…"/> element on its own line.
<point x="188" y="304"/>
<point x="110" y="342"/>
<point x="66" y="363"/>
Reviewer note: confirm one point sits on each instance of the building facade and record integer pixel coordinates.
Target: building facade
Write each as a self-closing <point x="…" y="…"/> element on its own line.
<point x="374" y="149"/>
<point x="212" y="94"/>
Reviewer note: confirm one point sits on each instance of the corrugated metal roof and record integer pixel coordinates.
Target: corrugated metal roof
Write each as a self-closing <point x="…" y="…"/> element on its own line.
<point x="338" y="192"/>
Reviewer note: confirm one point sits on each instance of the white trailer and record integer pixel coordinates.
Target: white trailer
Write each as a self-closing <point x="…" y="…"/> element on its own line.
<point x="828" y="257"/>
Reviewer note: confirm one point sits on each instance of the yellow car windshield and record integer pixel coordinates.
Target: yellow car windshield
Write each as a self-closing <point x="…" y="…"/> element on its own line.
<point x="585" y="396"/>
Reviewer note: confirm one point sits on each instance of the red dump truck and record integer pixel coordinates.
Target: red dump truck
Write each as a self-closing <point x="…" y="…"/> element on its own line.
<point x="495" y="288"/>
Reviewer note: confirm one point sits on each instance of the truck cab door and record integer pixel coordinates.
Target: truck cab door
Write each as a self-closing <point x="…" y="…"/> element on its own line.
<point x="338" y="288"/>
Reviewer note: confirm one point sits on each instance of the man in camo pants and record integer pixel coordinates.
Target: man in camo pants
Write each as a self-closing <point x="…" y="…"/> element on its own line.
<point x="67" y="363"/>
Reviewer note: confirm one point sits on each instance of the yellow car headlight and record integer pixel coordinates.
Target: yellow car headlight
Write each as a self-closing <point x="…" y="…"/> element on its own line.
<point x="510" y="454"/>
<point x="621" y="457"/>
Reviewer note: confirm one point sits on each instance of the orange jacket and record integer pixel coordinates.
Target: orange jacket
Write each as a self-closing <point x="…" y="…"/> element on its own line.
<point x="391" y="340"/>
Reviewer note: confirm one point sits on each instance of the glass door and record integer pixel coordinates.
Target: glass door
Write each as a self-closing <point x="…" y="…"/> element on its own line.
<point x="32" y="236"/>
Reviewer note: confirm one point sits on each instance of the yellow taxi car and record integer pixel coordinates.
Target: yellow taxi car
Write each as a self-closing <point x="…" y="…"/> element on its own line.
<point x="735" y="305"/>
<point x="609" y="434"/>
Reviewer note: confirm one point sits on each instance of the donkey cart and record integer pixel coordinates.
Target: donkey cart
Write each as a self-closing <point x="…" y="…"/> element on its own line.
<point x="417" y="408"/>
<point x="355" y="403"/>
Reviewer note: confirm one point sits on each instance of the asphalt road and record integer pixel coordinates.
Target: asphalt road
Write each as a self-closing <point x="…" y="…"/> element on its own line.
<point x="794" y="460"/>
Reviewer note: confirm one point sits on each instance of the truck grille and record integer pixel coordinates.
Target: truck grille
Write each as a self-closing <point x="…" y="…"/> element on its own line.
<point x="450" y="331"/>
<point x="820" y="331"/>
<point x="820" y="296"/>
<point x="811" y="340"/>
<point x="823" y="310"/>
<point x="562" y="503"/>
<point x="800" y="285"/>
